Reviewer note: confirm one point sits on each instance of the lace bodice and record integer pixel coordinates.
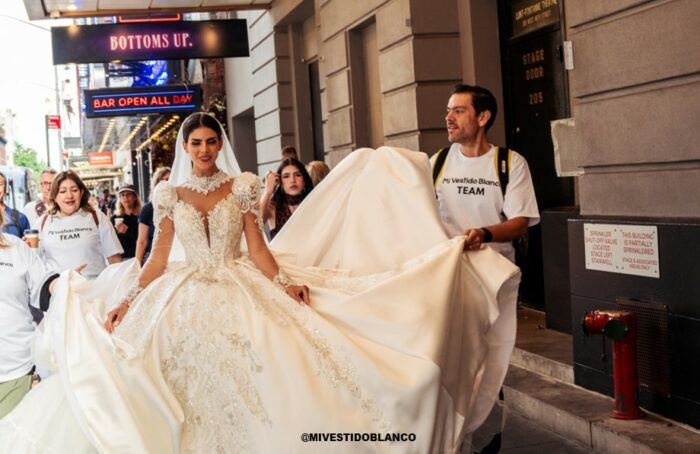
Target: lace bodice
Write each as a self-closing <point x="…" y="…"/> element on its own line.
<point x="224" y="220"/>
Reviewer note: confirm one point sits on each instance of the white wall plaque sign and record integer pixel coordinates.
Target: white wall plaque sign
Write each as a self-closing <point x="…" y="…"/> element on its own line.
<point x="621" y="248"/>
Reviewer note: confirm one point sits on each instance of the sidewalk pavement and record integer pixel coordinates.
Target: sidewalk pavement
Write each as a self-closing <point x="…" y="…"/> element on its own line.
<point x="522" y="436"/>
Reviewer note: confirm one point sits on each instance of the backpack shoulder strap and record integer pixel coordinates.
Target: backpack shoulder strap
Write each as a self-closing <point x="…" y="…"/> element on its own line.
<point x="95" y="218"/>
<point x="439" y="165"/>
<point x="43" y="221"/>
<point x="15" y="219"/>
<point x="503" y="168"/>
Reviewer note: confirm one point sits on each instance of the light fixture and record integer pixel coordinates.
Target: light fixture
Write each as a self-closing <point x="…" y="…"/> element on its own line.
<point x="108" y="131"/>
<point x="159" y="132"/>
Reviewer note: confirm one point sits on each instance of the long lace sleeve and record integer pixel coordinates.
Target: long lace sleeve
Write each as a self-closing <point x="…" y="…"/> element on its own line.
<point x="246" y="189"/>
<point x="164" y="200"/>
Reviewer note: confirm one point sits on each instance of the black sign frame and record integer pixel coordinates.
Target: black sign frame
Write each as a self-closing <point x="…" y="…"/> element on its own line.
<point x="149" y="41"/>
<point x="528" y="16"/>
<point x="105" y="102"/>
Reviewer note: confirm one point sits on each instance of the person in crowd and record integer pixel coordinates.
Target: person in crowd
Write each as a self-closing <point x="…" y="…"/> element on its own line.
<point x="71" y="233"/>
<point x="146" y="228"/>
<point x="107" y="203"/>
<point x="36" y="208"/>
<point x="15" y="221"/>
<point x="317" y="171"/>
<point x="284" y="192"/>
<point x="126" y="219"/>
<point x="94" y="202"/>
<point x="22" y="274"/>
<point x="289" y="152"/>
<point x="104" y="200"/>
<point x="212" y="353"/>
<point x="497" y="204"/>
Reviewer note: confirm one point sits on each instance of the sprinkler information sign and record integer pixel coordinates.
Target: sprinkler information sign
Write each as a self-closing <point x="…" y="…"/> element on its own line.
<point x="622" y="248"/>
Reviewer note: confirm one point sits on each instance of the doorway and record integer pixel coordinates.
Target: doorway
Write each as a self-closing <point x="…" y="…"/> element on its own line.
<point x="535" y="93"/>
<point x="243" y="140"/>
<point x="316" y="112"/>
<point x="366" y="89"/>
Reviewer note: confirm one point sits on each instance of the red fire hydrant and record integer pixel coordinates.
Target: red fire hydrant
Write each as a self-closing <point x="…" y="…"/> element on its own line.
<point x="621" y="328"/>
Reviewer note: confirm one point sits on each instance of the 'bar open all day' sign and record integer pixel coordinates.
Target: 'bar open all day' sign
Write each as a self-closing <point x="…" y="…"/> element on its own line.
<point x="115" y="102"/>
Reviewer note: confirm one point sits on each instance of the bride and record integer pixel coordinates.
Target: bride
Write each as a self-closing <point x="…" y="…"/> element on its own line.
<point x="368" y="330"/>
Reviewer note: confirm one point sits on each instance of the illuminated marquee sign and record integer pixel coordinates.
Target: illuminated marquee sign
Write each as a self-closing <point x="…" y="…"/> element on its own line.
<point x="116" y="102"/>
<point x="100" y="158"/>
<point x="149" y="41"/>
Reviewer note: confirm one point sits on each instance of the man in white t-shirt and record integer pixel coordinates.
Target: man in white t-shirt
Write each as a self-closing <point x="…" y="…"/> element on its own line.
<point x="36" y="208"/>
<point x="467" y="180"/>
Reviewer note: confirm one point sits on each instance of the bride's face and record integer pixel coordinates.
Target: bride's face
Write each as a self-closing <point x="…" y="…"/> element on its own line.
<point x="203" y="146"/>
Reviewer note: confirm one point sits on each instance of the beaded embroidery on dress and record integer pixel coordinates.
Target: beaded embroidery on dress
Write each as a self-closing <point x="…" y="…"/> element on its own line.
<point x="207" y="359"/>
<point x="407" y="339"/>
<point x="205" y="185"/>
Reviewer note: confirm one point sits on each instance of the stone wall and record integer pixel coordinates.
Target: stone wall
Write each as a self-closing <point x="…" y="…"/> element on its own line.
<point x="419" y="61"/>
<point x="635" y="96"/>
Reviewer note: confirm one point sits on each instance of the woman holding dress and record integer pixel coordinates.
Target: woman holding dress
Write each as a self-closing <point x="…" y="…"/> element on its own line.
<point x="225" y="353"/>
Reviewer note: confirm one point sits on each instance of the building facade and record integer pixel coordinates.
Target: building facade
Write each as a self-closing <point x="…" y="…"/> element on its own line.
<point x="601" y="98"/>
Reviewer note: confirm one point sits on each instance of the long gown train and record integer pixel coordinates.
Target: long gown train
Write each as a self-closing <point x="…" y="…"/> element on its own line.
<point x="405" y="334"/>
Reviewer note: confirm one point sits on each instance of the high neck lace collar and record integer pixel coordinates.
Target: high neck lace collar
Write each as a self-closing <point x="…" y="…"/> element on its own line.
<point x="205" y="185"/>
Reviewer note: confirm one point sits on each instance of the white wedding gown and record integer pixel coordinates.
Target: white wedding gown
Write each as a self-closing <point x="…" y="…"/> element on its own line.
<point x="405" y="332"/>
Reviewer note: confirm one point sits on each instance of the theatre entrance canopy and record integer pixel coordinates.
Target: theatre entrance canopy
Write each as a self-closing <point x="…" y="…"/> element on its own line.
<point x="45" y="9"/>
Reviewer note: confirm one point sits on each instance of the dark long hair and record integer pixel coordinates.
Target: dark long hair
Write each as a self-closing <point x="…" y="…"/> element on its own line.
<point x="60" y="178"/>
<point x="279" y="198"/>
<point x="197" y="120"/>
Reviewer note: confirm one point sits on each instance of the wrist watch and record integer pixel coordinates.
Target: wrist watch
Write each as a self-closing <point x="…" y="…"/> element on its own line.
<point x="488" y="236"/>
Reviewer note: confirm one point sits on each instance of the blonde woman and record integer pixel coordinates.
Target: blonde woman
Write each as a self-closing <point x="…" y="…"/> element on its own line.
<point x="317" y="171"/>
<point x="126" y="219"/>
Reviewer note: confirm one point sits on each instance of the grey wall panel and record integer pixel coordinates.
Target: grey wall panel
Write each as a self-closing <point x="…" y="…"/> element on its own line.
<point x="645" y="127"/>
<point x="659" y="193"/>
<point x="580" y="12"/>
<point x="647" y="44"/>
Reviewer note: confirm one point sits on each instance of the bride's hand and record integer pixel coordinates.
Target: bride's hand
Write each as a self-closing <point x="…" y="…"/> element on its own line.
<point x="300" y="293"/>
<point x="115" y="316"/>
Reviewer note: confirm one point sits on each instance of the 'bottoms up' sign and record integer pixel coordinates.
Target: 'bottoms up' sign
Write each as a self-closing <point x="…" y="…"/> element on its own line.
<point x="149" y="41"/>
<point x="620" y="248"/>
<point x="115" y="102"/>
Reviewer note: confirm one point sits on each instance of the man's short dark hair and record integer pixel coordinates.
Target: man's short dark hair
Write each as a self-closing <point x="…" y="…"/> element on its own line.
<point x="482" y="100"/>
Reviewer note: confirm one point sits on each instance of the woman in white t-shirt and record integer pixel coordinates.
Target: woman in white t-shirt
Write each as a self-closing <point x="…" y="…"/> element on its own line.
<point x="72" y="233"/>
<point x="22" y="274"/>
